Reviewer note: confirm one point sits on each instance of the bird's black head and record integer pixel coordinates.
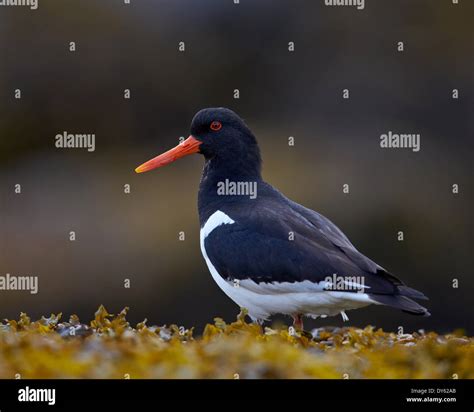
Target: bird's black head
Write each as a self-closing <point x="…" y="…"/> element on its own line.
<point x="222" y="133"/>
<point x="224" y="139"/>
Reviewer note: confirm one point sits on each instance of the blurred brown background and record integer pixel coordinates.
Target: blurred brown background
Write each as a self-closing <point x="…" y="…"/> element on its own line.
<point x="282" y="94"/>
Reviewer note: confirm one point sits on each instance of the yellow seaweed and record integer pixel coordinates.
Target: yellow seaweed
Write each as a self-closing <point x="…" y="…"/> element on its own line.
<point x="109" y="347"/>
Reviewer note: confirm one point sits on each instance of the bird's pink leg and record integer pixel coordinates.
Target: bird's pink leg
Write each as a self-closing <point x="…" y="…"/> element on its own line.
<point x="298" y="322"/>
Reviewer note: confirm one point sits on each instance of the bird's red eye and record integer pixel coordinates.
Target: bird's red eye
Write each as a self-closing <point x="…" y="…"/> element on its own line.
<point x="216" y="126"/>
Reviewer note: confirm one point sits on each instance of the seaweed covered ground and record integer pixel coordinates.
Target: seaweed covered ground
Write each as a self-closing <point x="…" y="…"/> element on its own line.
<point x="109" y="347"/>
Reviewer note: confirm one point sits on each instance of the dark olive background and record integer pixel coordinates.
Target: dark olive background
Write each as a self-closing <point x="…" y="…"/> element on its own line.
<point x="283" y="94"/>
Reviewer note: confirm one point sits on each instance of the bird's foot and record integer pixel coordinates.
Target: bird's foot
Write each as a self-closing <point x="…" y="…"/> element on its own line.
<point x="298" y="322"/>
<point x="298" y="327"/>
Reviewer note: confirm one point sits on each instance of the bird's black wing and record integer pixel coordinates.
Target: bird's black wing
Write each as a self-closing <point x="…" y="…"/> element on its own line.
<point x="335" y="235"/>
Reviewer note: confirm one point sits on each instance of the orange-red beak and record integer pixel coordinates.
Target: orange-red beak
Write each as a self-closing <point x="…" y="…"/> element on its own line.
<point x="189" y="146"/>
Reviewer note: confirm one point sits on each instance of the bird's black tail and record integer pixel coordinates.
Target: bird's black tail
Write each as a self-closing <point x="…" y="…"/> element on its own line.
<point x="403" y="300"/>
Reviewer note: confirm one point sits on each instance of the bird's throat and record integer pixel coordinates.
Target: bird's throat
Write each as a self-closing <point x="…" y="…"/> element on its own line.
<point x="227" y="182"/>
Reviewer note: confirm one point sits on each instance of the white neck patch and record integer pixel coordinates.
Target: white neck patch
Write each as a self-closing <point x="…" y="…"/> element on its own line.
<point x="215" y="220"/>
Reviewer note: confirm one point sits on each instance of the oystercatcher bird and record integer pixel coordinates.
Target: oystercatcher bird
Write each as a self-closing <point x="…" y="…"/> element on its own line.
<point x="269" y="254"/>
